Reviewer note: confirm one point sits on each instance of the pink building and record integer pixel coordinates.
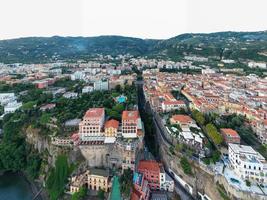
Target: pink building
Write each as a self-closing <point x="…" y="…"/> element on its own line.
<point x="90" y="128"/>
<point x="151" y="171"/>
<point x="130" y="122"/>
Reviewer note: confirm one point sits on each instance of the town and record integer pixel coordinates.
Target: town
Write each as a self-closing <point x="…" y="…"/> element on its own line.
<point x="135" y="131"/>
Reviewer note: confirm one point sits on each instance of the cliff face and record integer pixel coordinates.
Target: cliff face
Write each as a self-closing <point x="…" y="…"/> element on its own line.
<point x="49" y="151"/>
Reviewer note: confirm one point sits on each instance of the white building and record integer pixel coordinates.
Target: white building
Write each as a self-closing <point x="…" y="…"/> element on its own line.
<point x="70" y="95"/>
<point x="101" y="85"/>
<point x="261" y="65"/>
<point x="247" y="163"/>
<point x="168" y="106"/>
<point x="208" y="71"/>
<point x="78" y="75"/>
<point x="12" y="107"/>
<point x="6" y="98"/>
<point x="90" y="129"/>
<point x="166" y="182"/>
<point x="87" y="89"/>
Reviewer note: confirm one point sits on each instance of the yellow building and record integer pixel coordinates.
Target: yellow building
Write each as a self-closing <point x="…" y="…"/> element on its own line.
<point x="93" y="179"/>
<point x="98" y="179"/>
<point x="111" y="128"/>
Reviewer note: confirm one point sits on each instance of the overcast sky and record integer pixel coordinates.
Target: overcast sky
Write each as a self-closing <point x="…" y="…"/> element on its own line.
<point x="156" y="19"/>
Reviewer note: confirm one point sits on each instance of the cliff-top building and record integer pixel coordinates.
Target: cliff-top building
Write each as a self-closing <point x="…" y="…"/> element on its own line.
<point x="90" y="128"/>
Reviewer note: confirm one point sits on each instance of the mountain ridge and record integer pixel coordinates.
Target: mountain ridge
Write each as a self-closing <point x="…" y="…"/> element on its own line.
<point x="230" y="45"/>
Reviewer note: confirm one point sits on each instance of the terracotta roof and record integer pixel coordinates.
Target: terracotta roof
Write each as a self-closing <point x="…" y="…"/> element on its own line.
<point x="135" y="195"/>
<point x="112" y="123"/>
<point x="178" y="102"/>
<point x="75" y="136"/>
<point x="94" y="113"/>
<point x="182" y="118"/>
<point x="130" y="115"/>
<point x="149" y="165"/>
<point x="229" y="131"/>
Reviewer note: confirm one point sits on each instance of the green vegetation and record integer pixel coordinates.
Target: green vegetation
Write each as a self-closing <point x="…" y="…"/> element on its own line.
<point x="80" y="195"/>
<point x="126" y="182"/>
<point x="16" y="88"/>
<point x="171" y="149"/>
<point x="199" y="117"/>
<point x="248" y="183"/>
<point x="213" y="134"/>
<point x="222" y="192"/>
<point x="101" y="194"/>
<point x="58" y="177"/>
<point x="186" y="166"/>
<point x="15" y="154"/>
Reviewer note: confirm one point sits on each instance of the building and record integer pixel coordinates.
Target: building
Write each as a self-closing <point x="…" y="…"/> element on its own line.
<point x="90" y="128"/>
<point x="78" y="75"/>
<point x="151" y="171"/>
<point x="12" y="107"/>
<point x="168" y="106"/>
<point x="95" y="179"/>
<point x="230" y="136"/>
<point x="261" y="65"/>
<point x="141" y="188"/>
<point x="111" y="130"/>
<point x="70" y="95"/>
<point x="41" y="84"/>
<point x="166" y="182"/>
<point x="150" y="176"/>
<point x="6" y="98"/>
<point x="130" y="120"/>
<point x="49" y="106"/>
<point x="62" y="141"/>
<point x="247" y="163"/>
<point x="182" y="120"/>
<point x="101" y="85"/>
<point x="87" y="89"/>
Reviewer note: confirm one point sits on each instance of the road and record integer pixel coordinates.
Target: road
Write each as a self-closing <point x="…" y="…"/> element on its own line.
<point x="141" y="103"/>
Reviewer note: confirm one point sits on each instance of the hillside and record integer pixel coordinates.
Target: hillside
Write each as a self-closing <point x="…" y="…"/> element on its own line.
<point x="222" y="45"/>
<point x="41" y="49"/>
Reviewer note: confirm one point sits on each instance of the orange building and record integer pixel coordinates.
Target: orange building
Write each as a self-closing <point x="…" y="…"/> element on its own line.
<point x="230" y="135"/>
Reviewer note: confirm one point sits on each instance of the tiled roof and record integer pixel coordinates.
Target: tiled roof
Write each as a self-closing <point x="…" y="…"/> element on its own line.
<point x="112" y="123"/>
<point x="130" y="115"/>
<point x="178" y="102"/>
<point x="135" y="195"/>
<point x="150" y="165"/>
<point x="182" y="118"/>
<point x="94" y="113"/>
<point x="229" y="131"/>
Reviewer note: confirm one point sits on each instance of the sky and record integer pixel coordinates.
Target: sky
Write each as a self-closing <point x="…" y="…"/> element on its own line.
<point x="155" y="19"/>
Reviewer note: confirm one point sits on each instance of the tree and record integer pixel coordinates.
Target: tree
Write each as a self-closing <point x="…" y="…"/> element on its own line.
<point x="213" y="134"/>
<point x="199" y="117"/>
<point x="126" y="182"/>
<point x="216" y="156"/>
<point x="101" y="194"/>
<point x="118" y="108"/>
<point x="80" y="195"/>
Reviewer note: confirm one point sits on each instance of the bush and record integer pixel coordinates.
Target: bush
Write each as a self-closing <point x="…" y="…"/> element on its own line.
<point x="80" y="195"/>
<point x="186" y="166"/>
<point x="58" y="177"/>
<point x="248" y="183"/>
